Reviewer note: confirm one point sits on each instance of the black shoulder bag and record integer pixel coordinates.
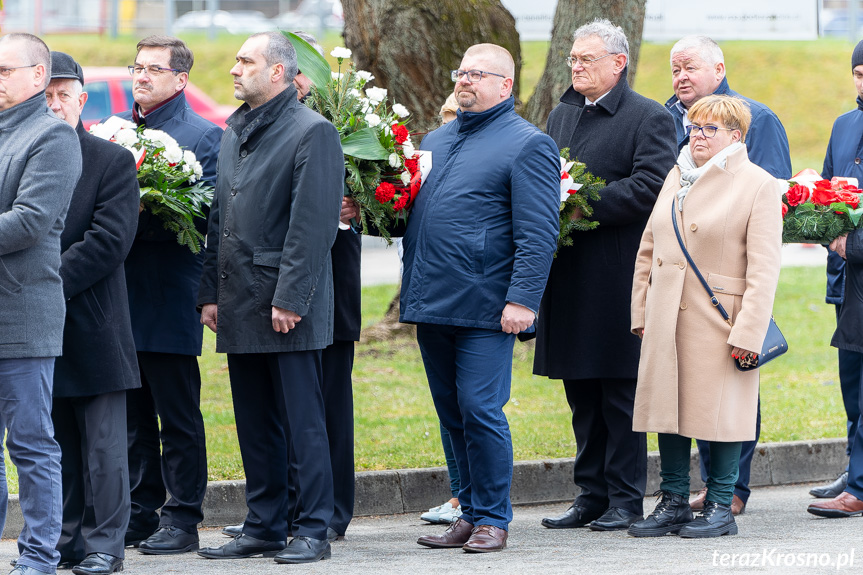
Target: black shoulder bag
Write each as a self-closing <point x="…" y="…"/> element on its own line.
<point x="774" y="342"/>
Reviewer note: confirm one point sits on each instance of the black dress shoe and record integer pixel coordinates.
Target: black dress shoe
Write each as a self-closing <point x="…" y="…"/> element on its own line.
<point x="333" y="535"/>
<point x="576" y="516"/>
<point x="98" y="564"/>
<point x="243" y="546"/>
<point x="671" y="513"/>
<point x="831" y="490"/>
<point x="716" y="519"/>
<point x="232" y="530"/>
<point x="169" y="540"/>
<point x="134" y="537"/>
<point x="615" y="519"/>
<point x="304" y="550"/>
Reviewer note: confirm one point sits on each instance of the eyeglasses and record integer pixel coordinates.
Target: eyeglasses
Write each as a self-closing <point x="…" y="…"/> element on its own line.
<point x="151" y="70"/>
<point x="5" y="72"/>
<point x="585" y="61"/>
<point x="706" y="131"/>
<point x="473" y="76"/>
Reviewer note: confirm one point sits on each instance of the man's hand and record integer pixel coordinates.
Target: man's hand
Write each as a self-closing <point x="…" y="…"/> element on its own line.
<point x="284" y="320"/>
<point x="209" y="312"/>
<point x="576" y="215"/>
<point x="516" y="318"/>
<point x="350" y="209"/>
<point x="838" y="245"/>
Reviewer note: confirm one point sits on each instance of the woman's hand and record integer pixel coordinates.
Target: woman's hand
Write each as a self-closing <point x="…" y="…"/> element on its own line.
<point x="740" y="353"/>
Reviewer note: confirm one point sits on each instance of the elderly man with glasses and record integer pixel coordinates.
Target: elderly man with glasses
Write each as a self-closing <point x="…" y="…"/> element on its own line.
<point x="583" y="334"/>
<point x="477" y="249"/>
<point x="162" y="279"/>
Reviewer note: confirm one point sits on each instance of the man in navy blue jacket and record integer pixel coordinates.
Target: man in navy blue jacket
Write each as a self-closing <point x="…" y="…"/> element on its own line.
<point x="477" y="250"/>
<point x="698" y="70"/>
<point x="162" y="278"/>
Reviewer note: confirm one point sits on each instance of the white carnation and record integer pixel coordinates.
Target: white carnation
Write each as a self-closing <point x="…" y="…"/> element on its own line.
<point x="337" y="75"/>
<point x="405" y="177"/>
<point x="376" y="95"/>
<point x="365" y="76"/>
<point x="340" y="53"/>
<point x="126" y="137"/>
<point x="173" y="154"/>
<point x="372" y="120"/>
<point x="408" y="149"/>
<point x="400" y="111"/>
<point x="189" y="157"/>
<point x="355" y="93"/>
<point x="395" y="161"/>
<point x="199" y="171"/>
<point x="160" y="138"/>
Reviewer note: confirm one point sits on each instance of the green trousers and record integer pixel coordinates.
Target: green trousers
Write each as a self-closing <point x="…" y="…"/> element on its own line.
<point x="674" y="467"/>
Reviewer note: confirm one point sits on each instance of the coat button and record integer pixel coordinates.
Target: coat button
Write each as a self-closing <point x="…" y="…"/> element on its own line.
<point x="856" y="160"/>
<point x="693" y="227"/>
<point x="681" y="264"/>
<point x="243" y="153"/>
<point x="683" y="305"/>
<point x="227" y="233"/>
<point x="224" y="275"/>
<point x="233" y="191"/>
<point x="659" y="261"/>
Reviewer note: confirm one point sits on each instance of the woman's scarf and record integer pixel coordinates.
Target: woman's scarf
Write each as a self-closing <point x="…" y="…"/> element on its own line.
<point x="689" y="172"/>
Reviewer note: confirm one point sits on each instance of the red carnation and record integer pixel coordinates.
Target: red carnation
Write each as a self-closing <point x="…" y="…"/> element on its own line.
<point x="412" y="164"/>
<point x="797" y="194"/>
<point x="401" y="133"/>
<point x="385" y="192"/>
<point x="401" y="202"/>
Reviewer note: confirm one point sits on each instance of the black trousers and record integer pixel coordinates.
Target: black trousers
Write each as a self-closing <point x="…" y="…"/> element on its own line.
<point x="337" y="363"/>
<point x="95" y="473"/>
<point x="170" y="394"/>
<point x="278" y="399"/>
<point x="611" y="463"/>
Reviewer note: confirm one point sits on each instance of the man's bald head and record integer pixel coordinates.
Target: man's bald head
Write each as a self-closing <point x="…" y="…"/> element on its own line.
<point x="497" y="56"/>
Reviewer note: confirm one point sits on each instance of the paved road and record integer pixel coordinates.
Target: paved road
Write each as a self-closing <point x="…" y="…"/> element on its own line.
<point x="775" y="524"/>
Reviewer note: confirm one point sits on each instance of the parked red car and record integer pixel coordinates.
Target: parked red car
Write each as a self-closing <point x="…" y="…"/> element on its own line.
<point x="110" y="92"/>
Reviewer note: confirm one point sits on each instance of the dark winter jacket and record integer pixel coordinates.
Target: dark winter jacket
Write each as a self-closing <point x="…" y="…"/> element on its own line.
<point x="272" y="224"/>
<point x="98" y="348"/>
<point x="484" y="226"/>
<point x="584" y="323"/>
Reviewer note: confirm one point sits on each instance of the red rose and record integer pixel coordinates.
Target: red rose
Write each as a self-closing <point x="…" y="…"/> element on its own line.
<point x="401" y="202"/>
<point x="401" y="133"/>
<point x="823" y="195"/>
<point x="385" y="192"/>
<point x="797" y="194"/>
<point x="412" y="164"/>
<point x="784" y="210"/>
<point x="850" y="198"/>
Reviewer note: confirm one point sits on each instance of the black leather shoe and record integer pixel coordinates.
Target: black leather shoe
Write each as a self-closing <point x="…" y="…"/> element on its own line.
<point x="671" y="513"/>
<point x="716" y="519"/>
<point x="576" y="516"/>
<point x="615" y="519"/>
<point x="98" y="564"/>
<point x="333" y="535"/>
<point x="305" y="550"/>
<point x="169" y="540"/>
<point x="134" y="537"/>
<point x="243" y="546"/>
<point x="831" y="490"/>
<point x="232" y="530"/>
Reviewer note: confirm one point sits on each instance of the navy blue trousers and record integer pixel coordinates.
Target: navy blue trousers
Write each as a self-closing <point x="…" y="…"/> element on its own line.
<point x="850" y="380"/>
<point x="469" y="372"/>
<point x="855" y="461"/>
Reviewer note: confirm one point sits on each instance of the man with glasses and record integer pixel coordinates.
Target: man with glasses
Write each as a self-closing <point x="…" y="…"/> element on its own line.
<point x="584" y="334"/>
<point x="698" y="70"/>
<point x="41" y="163"/>
<point x="477" y="249"/>
<point x="162" y="278"/>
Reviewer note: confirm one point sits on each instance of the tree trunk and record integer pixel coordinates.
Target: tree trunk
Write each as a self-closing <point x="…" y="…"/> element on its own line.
<point x="570" y="14"/>
<point x="389" y="327"/>
<point x="411" y="47"/>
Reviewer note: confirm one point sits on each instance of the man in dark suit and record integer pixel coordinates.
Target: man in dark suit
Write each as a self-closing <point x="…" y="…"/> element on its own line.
<point x="98" y="363"/>
<point x="163" y="279"/>
<point x="267" y="292"/>
<point x="627" y="140"/>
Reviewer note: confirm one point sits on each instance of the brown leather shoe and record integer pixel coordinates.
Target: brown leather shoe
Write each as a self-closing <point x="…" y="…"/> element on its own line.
<point x="737" y="506"/>
<point x="485" y="539"/>
<point x="844" y="505"/>
<point x="697" y="502"/>
<point x="456" y="535"/>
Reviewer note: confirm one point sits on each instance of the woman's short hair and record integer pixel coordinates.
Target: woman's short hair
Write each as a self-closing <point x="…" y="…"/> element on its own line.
<point x="733" y="112"/>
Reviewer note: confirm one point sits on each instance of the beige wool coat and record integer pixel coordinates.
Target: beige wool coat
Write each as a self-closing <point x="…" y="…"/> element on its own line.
<point x="732" y="226"/>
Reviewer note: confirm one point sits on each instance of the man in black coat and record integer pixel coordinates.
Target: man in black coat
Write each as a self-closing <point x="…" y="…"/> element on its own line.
<point x="267" y="292"/>
<point x="98" y="363"/>
<point x="583" y="335"/>
<point x="167" y="444"/>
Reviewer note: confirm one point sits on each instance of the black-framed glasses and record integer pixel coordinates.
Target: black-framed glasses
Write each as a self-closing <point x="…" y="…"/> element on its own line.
<point x="706" y="131"/>
<point x="473" y="76"/>
<point x="6" y="71"/>
<point x="586" y="61"/>
<point x="151" y="70"/>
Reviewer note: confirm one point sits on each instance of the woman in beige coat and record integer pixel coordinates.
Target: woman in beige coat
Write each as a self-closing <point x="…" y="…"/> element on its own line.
<point x="729" y="214"/>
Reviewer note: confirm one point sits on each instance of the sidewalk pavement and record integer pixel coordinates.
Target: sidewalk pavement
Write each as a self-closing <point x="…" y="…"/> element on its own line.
<point x="776" y="536"/>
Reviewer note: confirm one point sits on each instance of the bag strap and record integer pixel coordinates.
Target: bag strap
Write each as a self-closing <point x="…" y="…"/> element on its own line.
<point x="694" y="267"/>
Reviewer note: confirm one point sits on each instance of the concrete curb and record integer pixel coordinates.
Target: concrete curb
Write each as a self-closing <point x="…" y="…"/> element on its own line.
<point x="545" y="481"/>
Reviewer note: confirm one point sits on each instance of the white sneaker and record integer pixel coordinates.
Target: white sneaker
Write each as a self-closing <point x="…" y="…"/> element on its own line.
<point x="442" y="514"/>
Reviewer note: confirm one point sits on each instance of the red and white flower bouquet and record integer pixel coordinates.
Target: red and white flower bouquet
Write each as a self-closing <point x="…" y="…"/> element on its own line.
<point x="817" y="211"/>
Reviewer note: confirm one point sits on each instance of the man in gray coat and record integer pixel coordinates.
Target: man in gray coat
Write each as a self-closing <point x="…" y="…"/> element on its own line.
<point x="40" y="161"/>
<point x="267" y="292"/>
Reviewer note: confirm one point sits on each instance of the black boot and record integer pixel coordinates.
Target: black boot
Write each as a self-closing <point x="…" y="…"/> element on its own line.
<point x="831" y="490"/>
<point x="715" y="520"/>
<point x="671" y="513"/>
